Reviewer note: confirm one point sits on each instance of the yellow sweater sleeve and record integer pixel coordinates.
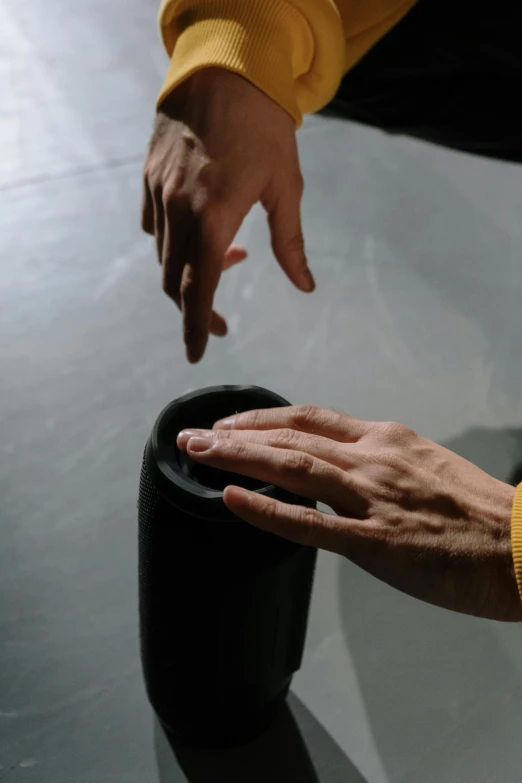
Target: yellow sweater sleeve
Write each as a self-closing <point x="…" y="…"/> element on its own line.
<point x="296" y="51"/>
<point x="516" y="536"/>
<point x="293" y="50"/>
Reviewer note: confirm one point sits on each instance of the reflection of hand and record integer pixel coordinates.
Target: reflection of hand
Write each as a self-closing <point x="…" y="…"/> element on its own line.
<point x="410" y="512"/>
<point x="220" y="145"/>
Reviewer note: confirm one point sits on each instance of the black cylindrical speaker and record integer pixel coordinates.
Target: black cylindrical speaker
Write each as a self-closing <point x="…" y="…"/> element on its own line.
<point x="223" y="606"/>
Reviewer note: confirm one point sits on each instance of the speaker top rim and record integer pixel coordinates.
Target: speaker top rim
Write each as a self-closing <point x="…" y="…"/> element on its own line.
<point x="162" y="453"/>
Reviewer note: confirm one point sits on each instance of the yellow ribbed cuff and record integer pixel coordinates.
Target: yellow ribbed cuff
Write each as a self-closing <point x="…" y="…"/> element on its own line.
<point x="516" y="536"/>
<point x="269" y="42"/>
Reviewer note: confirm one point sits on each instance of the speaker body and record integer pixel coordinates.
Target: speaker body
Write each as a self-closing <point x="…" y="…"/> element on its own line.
<point x="223" y="606"/>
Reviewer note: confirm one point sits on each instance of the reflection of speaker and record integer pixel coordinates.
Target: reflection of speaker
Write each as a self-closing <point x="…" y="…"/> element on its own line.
<point x="223" y="606"/>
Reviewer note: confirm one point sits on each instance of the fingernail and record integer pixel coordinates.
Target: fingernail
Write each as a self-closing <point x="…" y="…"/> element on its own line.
<point x="196" y="348"/>
<point x="226" y="424"/>
<point x="185" y="435"/>
<point x="308" y="280"/>
<point x="199" y="445"/>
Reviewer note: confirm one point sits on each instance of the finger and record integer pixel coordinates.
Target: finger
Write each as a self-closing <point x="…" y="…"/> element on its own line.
<point x="201" y="277"/>
<point x="290" y="440"/>
<point x="305" y="526"/>
<point x="179" y="222"/>
<point x="159" y="228"/>
<point x="218" y="325"/>
<point x="304" y="418"/>
<point x="197" y="295"/>
<point x="294" y="471"/>
<point x="147" y="209"/>
<point x="175" y="243"/>
<point x="234" y="255"/>
<point x="284" y="218"/>
<point x="172" y="275"/>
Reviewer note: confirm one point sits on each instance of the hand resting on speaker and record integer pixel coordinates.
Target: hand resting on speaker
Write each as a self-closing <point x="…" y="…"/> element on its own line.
<point x="407" y="510"/>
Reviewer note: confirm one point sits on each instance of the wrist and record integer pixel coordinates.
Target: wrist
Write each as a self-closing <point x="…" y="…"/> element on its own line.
<point x="505" y="584"/>
<point x="490" y="582"/>
<point x="202" y="85"/>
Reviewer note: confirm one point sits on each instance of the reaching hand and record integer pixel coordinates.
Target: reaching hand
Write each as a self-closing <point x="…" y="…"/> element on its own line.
<point x="410" y="512"/>
<point x="220" y="145"/>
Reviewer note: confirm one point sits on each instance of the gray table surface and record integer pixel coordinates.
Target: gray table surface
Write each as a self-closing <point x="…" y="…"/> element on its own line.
<point x="417" y="318"/>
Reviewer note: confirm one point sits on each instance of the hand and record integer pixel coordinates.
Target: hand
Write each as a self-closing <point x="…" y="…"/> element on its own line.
<point x="220" y="145"/>
<point x="410" y="512"/>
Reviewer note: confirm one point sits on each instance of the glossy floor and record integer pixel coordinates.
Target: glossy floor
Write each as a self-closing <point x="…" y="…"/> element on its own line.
<point x="417" y="317"/>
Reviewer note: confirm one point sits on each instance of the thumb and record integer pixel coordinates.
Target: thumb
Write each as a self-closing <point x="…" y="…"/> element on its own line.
<point x="283" y="206"/>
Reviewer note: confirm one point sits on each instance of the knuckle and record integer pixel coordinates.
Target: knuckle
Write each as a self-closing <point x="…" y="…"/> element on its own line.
<point x="221" y="435"/>
<point x="386" y="456"/>
<point x="238" y="449"/>
<point x="157" y="192"/>
<point x="271" y="512"/>
<point x="174" y="190"/>
<point x="169" y="194"/>
<point x="212" y="175"/>
<point x="284" y="439"/>
<point x="254" y="419"/>
<point x="340" y="421"/>
<point x="305" y="416"/>
<point x="299" y="463"/>
<point x="394" y="432"/>
<point x="308" y="521"/>
<point x="384" y="533"/>
<point x="394" y="464"/>
<point x="188" y="291"/>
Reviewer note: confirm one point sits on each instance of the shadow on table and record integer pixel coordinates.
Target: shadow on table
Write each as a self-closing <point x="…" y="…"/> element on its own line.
<point x="296" y="748"/>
